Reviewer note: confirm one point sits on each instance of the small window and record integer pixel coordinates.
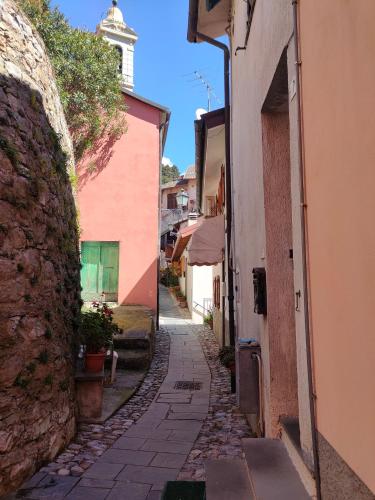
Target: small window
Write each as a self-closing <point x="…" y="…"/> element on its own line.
<point x="119" y="50"/>
<point x="171" y="201"/>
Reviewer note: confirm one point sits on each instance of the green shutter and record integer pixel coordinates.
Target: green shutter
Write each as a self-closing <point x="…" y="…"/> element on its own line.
<point x="109" y="263"/>
<point x="100" y="265"/>
<point x="90" y="256"/>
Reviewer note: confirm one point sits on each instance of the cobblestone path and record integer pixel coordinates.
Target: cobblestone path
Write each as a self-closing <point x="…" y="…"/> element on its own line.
<point x="164" y="432"/>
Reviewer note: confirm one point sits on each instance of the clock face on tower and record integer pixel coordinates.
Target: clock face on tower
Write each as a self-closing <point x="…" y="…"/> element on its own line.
<point x="114" y="29"/>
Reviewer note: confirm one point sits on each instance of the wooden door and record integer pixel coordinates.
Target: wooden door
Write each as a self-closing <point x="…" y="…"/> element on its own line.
<point x="99" y="274"/>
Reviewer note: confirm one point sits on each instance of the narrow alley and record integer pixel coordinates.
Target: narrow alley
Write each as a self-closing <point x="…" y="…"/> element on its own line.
<point x="191" y="419"/>
<point x="186" y="254"/>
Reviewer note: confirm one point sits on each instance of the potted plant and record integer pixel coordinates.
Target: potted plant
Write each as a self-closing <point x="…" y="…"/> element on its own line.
<point x="227" y="358"/>
<point x="209" y="319"/>
<point x="96" y="331"/>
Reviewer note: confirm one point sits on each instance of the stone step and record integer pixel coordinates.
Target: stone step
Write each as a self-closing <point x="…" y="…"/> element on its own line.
<point x="133" y="359"/>
<point x="290" y="436"/>
<point x="272" y="473"/>
<point x="140" y="340"/>
<point x="227" y="479"/>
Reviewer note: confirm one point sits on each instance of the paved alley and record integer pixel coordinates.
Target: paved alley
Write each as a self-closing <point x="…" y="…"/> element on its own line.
<point x="190" y="418"/>
<point x="154" y="450"/>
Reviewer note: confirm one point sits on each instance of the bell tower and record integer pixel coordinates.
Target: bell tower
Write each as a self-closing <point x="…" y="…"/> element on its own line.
<point x="114" y="29"/>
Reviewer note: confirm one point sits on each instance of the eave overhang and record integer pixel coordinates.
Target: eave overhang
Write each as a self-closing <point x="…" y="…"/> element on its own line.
<point x="165" y="113"/>
<point x="208" y="122"/>
<point x="212" y="22"/>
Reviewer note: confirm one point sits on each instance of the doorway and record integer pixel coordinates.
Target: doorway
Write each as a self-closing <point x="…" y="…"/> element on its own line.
<point x="100" y="268"/>
<point x="282" y="390"/>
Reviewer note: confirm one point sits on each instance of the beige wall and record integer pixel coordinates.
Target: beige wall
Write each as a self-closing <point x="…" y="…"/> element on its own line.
<point x="190" y="188"/>
<point x="252" y="74"/>
<point x="338" y="89"/>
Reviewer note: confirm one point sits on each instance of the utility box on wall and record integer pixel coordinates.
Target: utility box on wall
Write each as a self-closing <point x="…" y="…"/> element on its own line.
<point x="260" y="290"/>
<point x="248" y="388"/>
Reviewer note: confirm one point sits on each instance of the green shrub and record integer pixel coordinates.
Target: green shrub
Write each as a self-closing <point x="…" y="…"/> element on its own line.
<point x="227" y="356"/>
<point x="86" y="69"/>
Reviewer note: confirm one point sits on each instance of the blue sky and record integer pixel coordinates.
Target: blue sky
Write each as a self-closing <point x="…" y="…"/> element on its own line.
<point x="164" y="62"/>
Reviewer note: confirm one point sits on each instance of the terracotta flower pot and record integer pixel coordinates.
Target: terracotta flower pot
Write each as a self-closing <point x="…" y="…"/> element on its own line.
<point x="94" y="363"/>
<point x="183" y="304"/>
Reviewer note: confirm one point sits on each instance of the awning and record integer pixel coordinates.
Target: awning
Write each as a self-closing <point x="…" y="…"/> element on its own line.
<point x="183" y="238"/>
<point x="206" y="247"/>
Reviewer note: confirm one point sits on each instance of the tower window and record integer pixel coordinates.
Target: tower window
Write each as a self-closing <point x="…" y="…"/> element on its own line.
<point x="119" y="50"/>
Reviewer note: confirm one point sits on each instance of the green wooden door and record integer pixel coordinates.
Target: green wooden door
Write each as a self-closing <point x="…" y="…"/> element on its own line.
<point x="99" y="274"/>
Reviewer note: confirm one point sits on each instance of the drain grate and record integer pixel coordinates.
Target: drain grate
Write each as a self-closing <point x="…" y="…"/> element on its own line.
<point x="188" y="385"/>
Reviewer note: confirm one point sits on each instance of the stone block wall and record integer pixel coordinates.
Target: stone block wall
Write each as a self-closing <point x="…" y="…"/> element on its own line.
<point x="39" y="258"/>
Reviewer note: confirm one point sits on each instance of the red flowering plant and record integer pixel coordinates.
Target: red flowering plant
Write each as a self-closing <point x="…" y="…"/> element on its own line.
<point x="98" y="328"/>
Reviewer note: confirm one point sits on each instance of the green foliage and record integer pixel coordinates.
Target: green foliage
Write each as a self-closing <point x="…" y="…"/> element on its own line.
<point x="86" y="69"/>
<point x="43" y="357"/>
<point x="48" y="380"/>
<point x="97" y="329"/>
<point x="227" y="356"/>
<point x="9" y="150"/>
<point x="168" y="278"/>
<point x="48" y="333"/>
<point x="169" y="173"/>
<point x="21" y="382"/>
<point x="208" y="318"/>
<point x="64" y="385"/>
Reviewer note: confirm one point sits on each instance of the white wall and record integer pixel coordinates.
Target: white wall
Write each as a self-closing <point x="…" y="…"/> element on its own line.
<point x="202" y="291"/>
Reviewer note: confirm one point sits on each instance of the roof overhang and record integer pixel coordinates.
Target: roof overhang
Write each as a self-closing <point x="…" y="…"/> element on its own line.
<point x="183" y="239"/>
<point x="165" y="113"/>
<point x="208" y="17"/>
<point x="209" y="152"/>
<point x="206" y="247"/>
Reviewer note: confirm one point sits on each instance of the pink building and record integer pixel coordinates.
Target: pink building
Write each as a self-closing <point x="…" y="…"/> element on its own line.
<point x="118" y="192"/>
<point x="119" y="206"/>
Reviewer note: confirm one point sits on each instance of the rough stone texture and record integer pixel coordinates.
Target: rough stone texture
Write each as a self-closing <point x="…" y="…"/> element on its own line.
<point x="39" y="262"/>
<point x="93" y="440"/>
<point x="338" y="480"/>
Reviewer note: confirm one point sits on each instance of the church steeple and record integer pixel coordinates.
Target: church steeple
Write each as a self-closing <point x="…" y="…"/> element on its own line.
<point x="114" y="29"/>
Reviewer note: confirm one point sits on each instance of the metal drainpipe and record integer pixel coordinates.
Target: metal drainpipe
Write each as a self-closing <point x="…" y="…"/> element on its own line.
<point x="228" y="178"/>
<point x="304" y="253"/>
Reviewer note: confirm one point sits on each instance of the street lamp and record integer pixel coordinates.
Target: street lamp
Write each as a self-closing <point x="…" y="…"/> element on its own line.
<point x="182" y="198"/>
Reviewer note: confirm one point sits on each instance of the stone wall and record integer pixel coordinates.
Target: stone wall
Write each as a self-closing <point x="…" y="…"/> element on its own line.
<point x="39" y="260"/>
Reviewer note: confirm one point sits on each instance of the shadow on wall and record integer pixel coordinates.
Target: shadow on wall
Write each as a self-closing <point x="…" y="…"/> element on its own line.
<point x="39" y="287"/>
<point x="144" y="292"/>
<point x="97" y="159"/>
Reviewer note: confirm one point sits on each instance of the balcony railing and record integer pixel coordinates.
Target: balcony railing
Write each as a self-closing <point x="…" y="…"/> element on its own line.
<point x="172" y="216"/>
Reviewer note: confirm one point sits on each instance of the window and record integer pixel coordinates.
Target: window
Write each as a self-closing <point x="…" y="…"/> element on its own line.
<point x="171" y="201"/>
<point x="210" y="206"/>
<point x="216" y="292"/>
<point x="119" y="50"/>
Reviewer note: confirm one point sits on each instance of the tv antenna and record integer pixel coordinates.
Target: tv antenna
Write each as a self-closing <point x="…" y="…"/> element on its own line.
<point x="209" y="89"/>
